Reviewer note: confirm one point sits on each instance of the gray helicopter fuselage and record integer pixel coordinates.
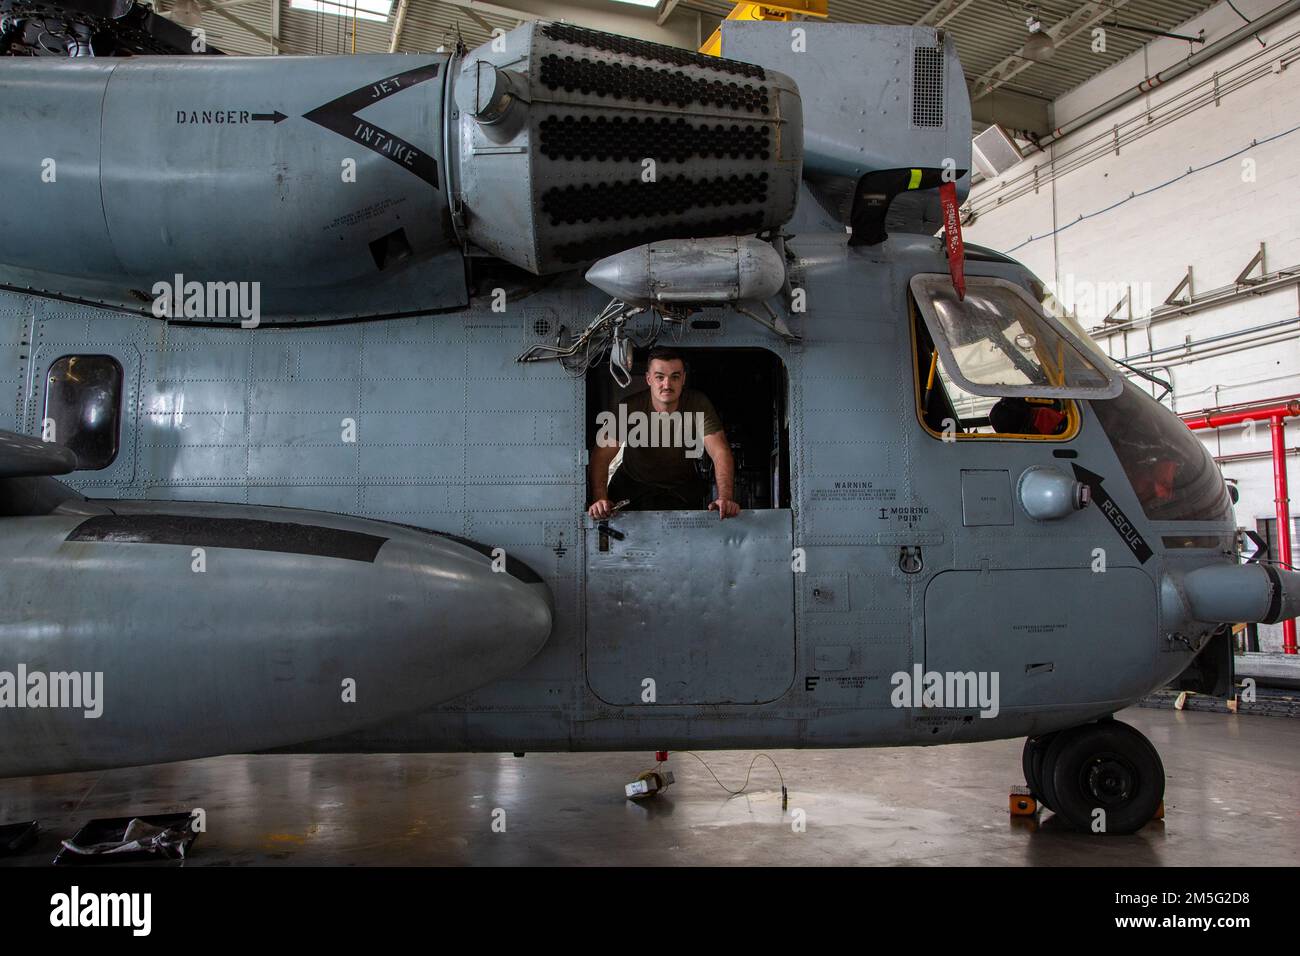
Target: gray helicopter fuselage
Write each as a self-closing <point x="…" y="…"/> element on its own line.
<point x="317" y="346"/>
<point x="899" y="551"/>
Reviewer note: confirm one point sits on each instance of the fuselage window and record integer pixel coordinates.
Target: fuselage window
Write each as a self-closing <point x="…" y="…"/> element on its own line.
<point x="694" y="429"/>
<point x="83" y="395"/>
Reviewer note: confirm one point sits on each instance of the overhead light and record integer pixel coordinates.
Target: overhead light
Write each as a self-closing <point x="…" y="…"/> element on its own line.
<point x="640" y="3"/>
<point x="376" y="10"/>
<point x="994" y="152"/>
<point x="185" y="13"/>
<point x="1039" y="46"/>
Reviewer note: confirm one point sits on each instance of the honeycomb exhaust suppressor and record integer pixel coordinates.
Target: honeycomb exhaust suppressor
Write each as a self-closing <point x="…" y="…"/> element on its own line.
<point x="550" y="147"/>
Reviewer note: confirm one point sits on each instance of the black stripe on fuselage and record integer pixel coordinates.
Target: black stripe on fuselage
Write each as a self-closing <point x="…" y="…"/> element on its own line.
<point x="241" y="533"/>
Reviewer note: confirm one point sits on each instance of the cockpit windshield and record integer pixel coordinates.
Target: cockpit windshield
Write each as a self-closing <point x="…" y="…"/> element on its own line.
<point x="1170" y="470"/>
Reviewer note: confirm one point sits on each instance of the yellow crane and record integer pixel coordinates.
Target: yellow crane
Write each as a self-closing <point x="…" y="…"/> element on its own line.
<point x="784" y="11"/>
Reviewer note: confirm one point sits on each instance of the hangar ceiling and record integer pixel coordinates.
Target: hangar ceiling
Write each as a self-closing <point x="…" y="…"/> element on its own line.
<point x="1007" y="87"/>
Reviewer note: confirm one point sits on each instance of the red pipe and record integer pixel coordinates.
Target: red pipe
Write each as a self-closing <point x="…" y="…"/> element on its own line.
<point x="1258" y="413"/>
<point x="1277" y="427"/>
<point x="1276" y="414"/>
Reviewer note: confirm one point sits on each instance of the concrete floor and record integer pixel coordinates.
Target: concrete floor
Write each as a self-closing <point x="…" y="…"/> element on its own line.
<point x="1230" y="800"/>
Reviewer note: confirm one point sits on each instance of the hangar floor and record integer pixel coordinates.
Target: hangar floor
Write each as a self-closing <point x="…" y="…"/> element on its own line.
<point x="1230" y="800"/>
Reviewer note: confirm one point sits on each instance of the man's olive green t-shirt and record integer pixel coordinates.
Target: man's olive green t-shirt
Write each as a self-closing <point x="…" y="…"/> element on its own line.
<point x="667" y="465"/>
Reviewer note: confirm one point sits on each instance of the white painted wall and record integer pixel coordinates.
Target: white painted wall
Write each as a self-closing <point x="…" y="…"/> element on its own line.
<point x="1212" y="220"/>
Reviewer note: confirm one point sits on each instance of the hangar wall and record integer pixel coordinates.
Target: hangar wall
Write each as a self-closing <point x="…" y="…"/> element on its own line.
<point x="1137" y="219"/>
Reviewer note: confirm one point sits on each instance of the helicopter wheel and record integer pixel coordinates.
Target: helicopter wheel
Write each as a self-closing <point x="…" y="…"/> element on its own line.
<point x="1106" y="766"/>
<point x="1032" y="761"/>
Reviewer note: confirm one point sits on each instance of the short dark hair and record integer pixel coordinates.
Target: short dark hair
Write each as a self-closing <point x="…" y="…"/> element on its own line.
<point x="1011" y="416"/>
<point x="664" y="354"/>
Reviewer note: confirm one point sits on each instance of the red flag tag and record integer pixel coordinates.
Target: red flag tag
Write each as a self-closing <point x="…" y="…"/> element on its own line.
<point x="952" y="236"/>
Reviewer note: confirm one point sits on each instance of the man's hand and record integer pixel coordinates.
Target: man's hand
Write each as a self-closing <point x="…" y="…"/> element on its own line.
<point x="725" y="507"/>
<point x="601" y="508"/>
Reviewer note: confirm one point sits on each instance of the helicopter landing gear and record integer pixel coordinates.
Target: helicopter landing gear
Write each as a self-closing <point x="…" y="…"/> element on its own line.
<point x="1103" y="777"/>
<point x="1032" y="760"/>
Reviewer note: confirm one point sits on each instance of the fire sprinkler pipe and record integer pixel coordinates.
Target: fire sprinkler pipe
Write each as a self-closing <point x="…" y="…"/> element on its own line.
<point x="1275" y="412"/>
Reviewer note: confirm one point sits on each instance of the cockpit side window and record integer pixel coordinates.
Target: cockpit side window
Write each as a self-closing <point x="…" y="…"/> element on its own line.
<point x="83" y="402"/>
<point x="997" y="342"/>
<point x="949" y="411"/>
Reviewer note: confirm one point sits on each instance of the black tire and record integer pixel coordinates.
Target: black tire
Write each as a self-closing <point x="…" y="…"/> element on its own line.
<point x="1046" y="773"/>
<point x="1107" y="765"/>
<point x="1031" y="759"/>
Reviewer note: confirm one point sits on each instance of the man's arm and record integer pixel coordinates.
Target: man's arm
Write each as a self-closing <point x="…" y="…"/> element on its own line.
<point x="724" y="473"/>
<point x="601" y="458"/>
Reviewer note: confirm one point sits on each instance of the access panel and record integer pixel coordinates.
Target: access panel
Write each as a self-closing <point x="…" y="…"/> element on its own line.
<point x="701" y="607"/>
<point x="1053" y="636"/>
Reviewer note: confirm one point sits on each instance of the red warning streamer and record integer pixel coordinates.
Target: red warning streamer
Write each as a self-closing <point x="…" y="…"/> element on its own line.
<point x="952" y="236"/>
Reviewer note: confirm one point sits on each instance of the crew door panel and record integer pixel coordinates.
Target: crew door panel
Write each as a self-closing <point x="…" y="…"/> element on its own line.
<point x="704" y="608"/>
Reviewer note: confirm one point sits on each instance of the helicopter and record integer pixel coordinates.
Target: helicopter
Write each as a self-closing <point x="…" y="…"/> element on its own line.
<point x="306" y="356"/>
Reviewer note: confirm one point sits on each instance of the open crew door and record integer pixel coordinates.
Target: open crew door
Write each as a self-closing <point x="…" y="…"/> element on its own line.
<point x="704" y="608"/>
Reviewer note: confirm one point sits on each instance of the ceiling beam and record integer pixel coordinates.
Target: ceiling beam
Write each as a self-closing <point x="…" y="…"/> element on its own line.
<point x="942" y="12"/>
<point x="275" y="26"/>
<point x="223" y="3"/>
<point x="242" y="24"/>
<point x="1061" y="33"/>
<point x="665" y="10"/>
<point x="494" y="9"/>
<point x="399" y="21"/>
<point x="1012" y="110"/>
<point x="483" y="24"/>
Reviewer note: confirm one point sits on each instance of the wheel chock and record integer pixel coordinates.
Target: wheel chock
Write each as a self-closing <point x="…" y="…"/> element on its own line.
<point x="1160" y="812"/>
<point x="1022" y="802"/>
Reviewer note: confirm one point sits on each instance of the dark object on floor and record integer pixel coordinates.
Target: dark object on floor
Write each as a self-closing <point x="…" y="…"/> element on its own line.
<point x="127" y="839"/>
<point x="1268" y="703"/>
<point x="16" y="837"/>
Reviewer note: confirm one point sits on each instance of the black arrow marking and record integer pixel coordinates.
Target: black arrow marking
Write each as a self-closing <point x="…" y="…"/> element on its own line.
<point x="1261" y="548"/>
<point x="1114" y="514"/>
<point x="340" y="116"/>
<point x="268" y="117"/>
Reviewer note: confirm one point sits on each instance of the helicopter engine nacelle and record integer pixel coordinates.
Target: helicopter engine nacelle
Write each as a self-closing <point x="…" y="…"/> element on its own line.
<point x="574" y="144"/>
<point x="350" y="185"/>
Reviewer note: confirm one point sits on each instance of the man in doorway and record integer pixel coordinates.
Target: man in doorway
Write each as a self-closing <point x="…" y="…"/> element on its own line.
<point x="660" y="431"/>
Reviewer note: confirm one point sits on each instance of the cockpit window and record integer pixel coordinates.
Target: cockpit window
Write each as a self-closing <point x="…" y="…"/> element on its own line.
<point x="82" y="408"/>
<point x="997" y="342"/>
<point x="1170" y="470"/>
<point x="950" y="412"/>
